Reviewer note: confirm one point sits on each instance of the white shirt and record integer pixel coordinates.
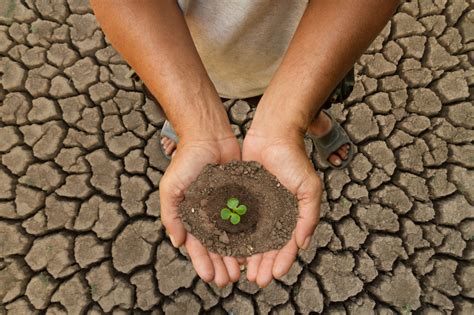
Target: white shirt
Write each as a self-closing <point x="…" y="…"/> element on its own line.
<point x="242" y="42"/>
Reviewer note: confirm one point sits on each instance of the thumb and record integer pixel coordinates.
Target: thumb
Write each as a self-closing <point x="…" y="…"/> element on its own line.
<point x="309" y="208"/>
<point x="305" y="227"/>
<point x="170" y="217"/>
<point x="176" y="232"/>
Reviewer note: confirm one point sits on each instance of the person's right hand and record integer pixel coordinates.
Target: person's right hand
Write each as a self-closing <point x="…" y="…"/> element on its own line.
<point x="191" y="156"/>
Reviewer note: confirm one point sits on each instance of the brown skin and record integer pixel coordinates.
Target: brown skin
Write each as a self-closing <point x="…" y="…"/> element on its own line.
<point x="330" y="38"/>
<point x="154" y="39"/>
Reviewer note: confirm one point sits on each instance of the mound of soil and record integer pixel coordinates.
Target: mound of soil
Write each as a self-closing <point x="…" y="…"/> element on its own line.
<point x="268" y="223"/>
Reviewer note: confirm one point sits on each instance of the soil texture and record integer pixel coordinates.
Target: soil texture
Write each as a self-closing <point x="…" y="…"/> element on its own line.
<point x="80" y="168"/>
<point x="268" y="223"/>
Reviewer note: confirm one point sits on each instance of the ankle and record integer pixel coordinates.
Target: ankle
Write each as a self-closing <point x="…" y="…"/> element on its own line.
<point x="320" y="125"/>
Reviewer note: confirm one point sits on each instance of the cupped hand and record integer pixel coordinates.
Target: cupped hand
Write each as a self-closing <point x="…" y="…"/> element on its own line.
<point x="189" y="159"/>
<point x="284" y="157"/>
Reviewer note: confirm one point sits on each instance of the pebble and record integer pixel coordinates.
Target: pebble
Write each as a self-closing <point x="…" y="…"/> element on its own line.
<point x="224" y="238"/>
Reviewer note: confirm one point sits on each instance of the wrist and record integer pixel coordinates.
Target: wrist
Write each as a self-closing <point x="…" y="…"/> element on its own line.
<point x="277" y="123"/>
<point x="201" y="117"/>
<point x="206" y="127"/>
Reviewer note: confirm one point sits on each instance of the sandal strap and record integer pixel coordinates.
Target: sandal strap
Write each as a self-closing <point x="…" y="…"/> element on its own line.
<point x="168" y="131"/>
<point x="332" y="141"/>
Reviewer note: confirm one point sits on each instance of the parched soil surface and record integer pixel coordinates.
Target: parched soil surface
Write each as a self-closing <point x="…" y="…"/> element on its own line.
<point x="271" y="209"/>
<point x="80" y="229"/>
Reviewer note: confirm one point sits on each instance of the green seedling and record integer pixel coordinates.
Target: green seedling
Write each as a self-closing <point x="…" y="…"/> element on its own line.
<point x="233" y="211"/>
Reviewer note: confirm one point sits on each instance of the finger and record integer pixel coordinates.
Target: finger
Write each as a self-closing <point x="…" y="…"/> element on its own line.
<point x="252" y="267"/>
<point x="284" y="259"/>
<point x="174" y="228"/>
<point x="265" y="276"/>
<point x="305" y="228"/>
<point x="309" y="206"/>
<point x="200" y="258"/>
<point x="170" y="217"/>
<point x="233" y="268"/>
<point x="242" y="260"/>
<point x="221" y="277"/>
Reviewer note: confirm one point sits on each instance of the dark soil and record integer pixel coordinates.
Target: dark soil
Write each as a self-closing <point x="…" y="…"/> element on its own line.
<point x="267" y="225"/>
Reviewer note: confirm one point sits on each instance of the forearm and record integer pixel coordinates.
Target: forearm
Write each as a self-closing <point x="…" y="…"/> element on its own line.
<point x="153" y="38"/>
<point x="330" y="38"/>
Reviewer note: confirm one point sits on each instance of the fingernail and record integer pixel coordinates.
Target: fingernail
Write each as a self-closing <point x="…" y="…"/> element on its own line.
<point x="337" y="162"/>
<point x="162" y="140"/>
<point x="173" y="241"/>
<point x="306" y="242"/>
<point x="277" y="274"/>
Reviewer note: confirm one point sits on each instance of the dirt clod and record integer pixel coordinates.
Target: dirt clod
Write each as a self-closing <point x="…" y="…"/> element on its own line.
<point x="268" y="223"/>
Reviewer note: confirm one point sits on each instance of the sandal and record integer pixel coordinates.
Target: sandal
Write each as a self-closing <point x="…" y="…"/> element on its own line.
<point x="167" y="129"/>
<point x="331" y="142"/>
<point x="168" y="132"/>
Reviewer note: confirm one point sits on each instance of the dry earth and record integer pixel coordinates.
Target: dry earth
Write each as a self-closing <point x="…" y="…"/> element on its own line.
<point x="80" y="224"/>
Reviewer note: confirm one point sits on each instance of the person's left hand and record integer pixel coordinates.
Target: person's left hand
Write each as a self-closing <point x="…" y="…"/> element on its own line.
<point x="284" y="157"/>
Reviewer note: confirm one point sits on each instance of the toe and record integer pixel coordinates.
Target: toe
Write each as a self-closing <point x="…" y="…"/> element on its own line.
<point x="169" y="150"/>
<point x="342" y="153"/>
<point x="165" y="144"/>
<point x="346" y="148"/>
<point x="335" y="160"/>
<point x="169" y="146"/>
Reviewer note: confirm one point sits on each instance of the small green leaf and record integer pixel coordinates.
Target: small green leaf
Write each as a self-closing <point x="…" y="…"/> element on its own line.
<point x="234" y="218"/>
<point x="241" y="210"/>
<point x="232" y="203"/>
<point x="225" y="214"/>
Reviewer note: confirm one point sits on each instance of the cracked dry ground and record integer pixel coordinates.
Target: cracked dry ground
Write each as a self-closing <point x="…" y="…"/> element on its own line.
<point x="80" y="227"/>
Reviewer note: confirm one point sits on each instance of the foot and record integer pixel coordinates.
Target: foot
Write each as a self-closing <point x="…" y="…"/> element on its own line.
<point x="169" y="146"/>
<point x="319" y="127"/>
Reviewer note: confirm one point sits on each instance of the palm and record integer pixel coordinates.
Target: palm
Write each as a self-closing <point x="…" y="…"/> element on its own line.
<point x="187" y="163"/>
<point x="286" y="159"/>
